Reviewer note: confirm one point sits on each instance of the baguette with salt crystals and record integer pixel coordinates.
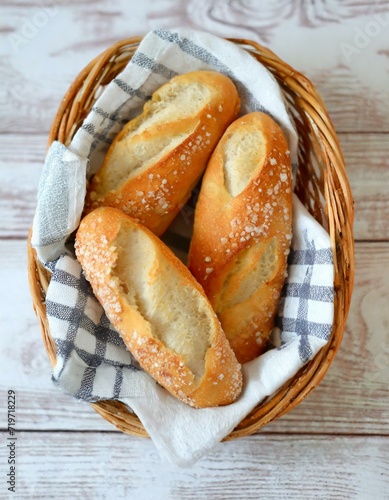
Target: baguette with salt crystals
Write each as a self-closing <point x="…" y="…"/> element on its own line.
<point x="242" y="230"/>
<point x="159" y="309"/>
<point x="156" y="160"/>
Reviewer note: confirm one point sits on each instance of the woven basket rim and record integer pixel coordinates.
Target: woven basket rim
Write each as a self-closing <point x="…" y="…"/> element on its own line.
<point x="338" y="212"/>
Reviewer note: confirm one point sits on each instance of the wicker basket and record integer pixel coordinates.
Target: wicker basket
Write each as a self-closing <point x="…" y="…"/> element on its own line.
<point x="321" y="185"/>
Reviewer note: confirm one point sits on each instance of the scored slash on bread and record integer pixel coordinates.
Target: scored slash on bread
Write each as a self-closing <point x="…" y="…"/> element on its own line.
<point x="156" y="160"/>
<point x="242" y="230"/>
<point x="159" y="309"/>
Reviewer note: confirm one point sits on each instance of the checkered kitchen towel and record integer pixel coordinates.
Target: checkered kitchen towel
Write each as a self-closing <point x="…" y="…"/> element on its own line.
<point x="92" y="361"/>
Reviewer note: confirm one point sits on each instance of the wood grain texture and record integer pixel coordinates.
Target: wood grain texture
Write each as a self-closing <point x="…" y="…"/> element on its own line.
<point x="352" y="398"/>
<point x="261" y="20"/>
<point x="40" y="60"/>
<point x="21" y="162"/>
<point x="367" y="162"/>
<point x="113" y="466"/>
<point x="366" y="157"/>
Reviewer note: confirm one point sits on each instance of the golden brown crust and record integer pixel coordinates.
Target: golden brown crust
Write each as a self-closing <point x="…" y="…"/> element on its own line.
<point x="233" y="233"/>
<point x="155" y="194"/>
<point x="97" y="250"/>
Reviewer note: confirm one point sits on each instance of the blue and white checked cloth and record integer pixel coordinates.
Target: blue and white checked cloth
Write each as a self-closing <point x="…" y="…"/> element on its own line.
<point x="92" y="361"/>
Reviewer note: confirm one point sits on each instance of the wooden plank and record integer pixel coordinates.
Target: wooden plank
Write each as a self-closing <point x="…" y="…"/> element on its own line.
<point x="366" y="157"/>
<point x="350" y="72"/>
<point x="367" y="163"/>
<point x="106" y="465"/>
<point x="40" y="72"/>
<point x="20" y="168"/>
<point x="352" y="398"/>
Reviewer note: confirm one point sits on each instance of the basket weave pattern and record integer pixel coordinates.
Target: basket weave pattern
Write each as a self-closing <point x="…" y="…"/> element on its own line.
<point x="321" y="185"/>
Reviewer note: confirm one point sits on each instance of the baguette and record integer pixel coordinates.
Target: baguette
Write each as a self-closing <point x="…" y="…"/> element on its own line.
<point x="242" y="230"/>
<point x="161" y="312"/>
<point x="156" y="160"/>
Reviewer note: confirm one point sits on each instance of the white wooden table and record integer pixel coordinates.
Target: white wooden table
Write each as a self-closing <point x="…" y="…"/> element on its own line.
<point x="336" y="443"/>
